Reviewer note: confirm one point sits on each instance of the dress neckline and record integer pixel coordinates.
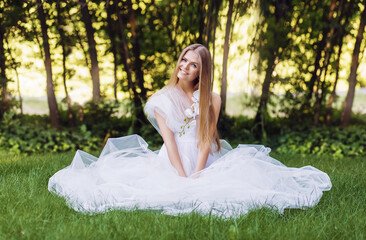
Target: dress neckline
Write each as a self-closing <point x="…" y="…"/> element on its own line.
<point x="189" y="99"/>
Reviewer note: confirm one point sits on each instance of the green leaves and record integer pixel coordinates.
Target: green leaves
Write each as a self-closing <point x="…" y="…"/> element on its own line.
<point x="27" y="138"/>
<point x="332" y="141"/>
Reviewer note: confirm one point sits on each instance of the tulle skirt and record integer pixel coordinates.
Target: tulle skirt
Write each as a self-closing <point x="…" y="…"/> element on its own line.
<point x="127" y="175"/>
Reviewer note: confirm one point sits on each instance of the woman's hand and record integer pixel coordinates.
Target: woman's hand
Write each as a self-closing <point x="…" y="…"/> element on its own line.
<point x="195" y="175"/>
<point x="182" y="174"/>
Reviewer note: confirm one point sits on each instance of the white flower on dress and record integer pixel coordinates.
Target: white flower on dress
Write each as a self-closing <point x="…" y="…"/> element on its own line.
<point x="191" y="113"/>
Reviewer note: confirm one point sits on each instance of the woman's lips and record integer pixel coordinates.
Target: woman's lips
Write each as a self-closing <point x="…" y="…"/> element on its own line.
<point x="182" y="71"/>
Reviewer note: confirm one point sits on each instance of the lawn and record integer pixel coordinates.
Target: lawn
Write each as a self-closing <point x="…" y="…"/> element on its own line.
<point x="29" y="211"/>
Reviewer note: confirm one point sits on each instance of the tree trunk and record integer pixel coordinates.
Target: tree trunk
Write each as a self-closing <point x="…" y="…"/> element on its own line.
<point x="217" y="4"/>
<point x="333" y="94"/>
<point x="112" y="37"/>
<point x="352" y="79"/>
<point x="328" y="51"/>
<point x="125" y="61"/>
<point x="225" y="58"/>
<point x="201" y="13"/>
<point x="210" y="15"/>
<point x="320" y="92"/>
<point x="319" y="97"/>
<point x="272" y="58"/>
<point x="52" y="104"/>
<point x="80" y="41"/>
<point x="216" y="8"/>
<point x="86" y="18"/>
<point x="262" y="108"/>
<point x="60" y="25"/>
<point x="346" y="12"/>
<point x="136" y="52"/>
<point x="178" y="49"/>
<point x="321" y="45"/>
<point x="3" y="79"/>
<point x="14" y="65"/>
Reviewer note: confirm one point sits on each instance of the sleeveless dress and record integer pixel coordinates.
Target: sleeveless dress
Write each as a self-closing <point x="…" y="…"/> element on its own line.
<point x="128" y="175"/>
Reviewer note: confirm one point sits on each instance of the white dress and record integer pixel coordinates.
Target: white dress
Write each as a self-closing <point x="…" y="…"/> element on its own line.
<point x="127" y="175"/>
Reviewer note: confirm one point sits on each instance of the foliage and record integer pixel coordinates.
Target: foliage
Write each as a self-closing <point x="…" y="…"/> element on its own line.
<point x="286" y="34"/>
<point x="111" y="119"/>
<point x="105" y="118"/>
<point x="151" y="136"/>
<point x="23" y="137"/>
<point x="325" y="141"/>
<point x="287" y="135"/>
<point x="45" y="216"/>
<point x="236" y="130"/>
<point x="94" y="123"/>
<point x="32" y="133"/>
<point x="9" y="105"/>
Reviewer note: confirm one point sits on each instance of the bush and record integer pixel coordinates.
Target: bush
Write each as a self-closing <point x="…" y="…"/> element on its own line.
<point x="236" y="130"/>
<point x="103" y="119"/>
<point x="151" y="136"/>
<point x="26" y="138"/>
<point x="325" y="141"/>
<point x="287" y="136"/>
<point x="33" y="133"/>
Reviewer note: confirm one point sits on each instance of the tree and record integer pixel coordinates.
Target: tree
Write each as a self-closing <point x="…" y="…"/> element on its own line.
<point x="12" y="18"/>
<point x="215" y="12"/>
<point x="65" y="52"/>
<point x="352" y="79"/>
<point x="136" y="51"/>
<point x="139" y="114"/>
<point x="3" y="79"/>
<point x="94" y="70"/>
<point x="52" y="104"/>
<point x="274" y="41"/>
<point x="112" y="37"/>
<point x="345" y="14"/>
<point x="320" y="50"/>
<point x="14" y="65"/>
<point x="201" y="13"/>
<point x="225" y="56"/>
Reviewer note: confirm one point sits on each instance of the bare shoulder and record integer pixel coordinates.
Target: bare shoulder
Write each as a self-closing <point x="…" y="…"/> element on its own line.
<point x="216" y="101"/>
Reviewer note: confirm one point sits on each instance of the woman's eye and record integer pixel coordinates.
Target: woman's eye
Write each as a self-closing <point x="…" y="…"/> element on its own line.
<point x="184" y="60"/>
<point x="194" y="65"/>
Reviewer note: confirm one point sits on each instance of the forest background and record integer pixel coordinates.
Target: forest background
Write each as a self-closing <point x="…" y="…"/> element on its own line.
<point x="291" y="74"/>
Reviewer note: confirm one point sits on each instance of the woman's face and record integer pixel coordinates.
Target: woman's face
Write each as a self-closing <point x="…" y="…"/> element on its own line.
<point x="188" y="66"/>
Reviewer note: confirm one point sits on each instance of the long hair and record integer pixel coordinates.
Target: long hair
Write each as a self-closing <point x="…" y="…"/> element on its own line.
<point x="207" y="120"/>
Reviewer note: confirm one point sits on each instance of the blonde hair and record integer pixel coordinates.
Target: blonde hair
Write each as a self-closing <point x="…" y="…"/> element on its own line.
<point x="207" y="123"/>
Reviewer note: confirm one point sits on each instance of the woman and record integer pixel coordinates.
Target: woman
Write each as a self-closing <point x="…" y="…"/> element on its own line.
<point x="194" y="170"/>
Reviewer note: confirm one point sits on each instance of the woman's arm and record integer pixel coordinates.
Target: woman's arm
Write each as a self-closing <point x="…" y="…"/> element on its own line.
<point x="205" y="150"/>
<point x="171" y="145"/>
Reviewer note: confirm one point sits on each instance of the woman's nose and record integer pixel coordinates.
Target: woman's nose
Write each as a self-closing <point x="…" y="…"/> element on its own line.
<point x="186" y="65"/>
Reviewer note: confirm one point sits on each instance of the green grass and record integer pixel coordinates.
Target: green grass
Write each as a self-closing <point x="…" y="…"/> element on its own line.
<point x="29" y="211"/>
